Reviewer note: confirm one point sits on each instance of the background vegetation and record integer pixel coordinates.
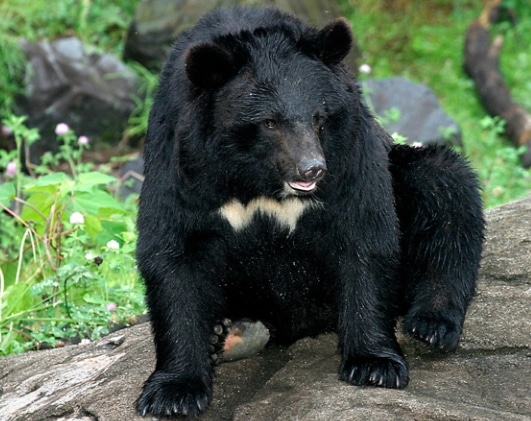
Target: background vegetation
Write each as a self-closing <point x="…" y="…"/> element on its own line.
<point x="423" y="41"/>
<point x="67" y="263"/>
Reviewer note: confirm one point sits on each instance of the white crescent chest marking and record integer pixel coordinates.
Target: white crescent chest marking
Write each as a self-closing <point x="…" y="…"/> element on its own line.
<point x="286" y="212"/>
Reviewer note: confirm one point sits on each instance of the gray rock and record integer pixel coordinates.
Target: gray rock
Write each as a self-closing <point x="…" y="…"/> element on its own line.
<point x="131" y="177"/>
<point x="91" y="92"/>
<point x="420" y="116"/>
<point x="486" y="379"/>
<point x="158" y="22"/>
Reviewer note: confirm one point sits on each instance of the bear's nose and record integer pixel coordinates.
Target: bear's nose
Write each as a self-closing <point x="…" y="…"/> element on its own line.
<point x="311" y="170"/>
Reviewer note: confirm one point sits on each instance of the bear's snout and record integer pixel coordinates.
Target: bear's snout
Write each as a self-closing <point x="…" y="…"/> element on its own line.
<point x="311" y="170"/>
<point x="304" y="159"/>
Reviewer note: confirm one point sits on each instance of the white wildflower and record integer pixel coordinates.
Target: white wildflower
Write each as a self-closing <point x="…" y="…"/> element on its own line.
<point x="77" y="218"/>
<point x="365" y="68"/>
<point x="113" y="244"/>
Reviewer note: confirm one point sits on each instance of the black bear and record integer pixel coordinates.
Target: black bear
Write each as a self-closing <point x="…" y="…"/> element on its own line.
<point x="269" y="194"/>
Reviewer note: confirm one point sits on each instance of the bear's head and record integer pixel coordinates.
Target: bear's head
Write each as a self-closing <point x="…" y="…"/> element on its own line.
<point x="273" y="101"/>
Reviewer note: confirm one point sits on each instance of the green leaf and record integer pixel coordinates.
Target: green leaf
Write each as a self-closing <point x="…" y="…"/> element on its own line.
<point x="9" y="344"/>
<point x="51" y="181"/>
<point x="93" y="299"/>
<point x="7" y="193"/>
<point x="115" y="228"/>
<point x="38" y="208"/>
<point x="89" y="203"/>
<point x="86" y="181"/>
<point x="8" y="267"/>
<point x="108" y="213"/>
<point x="16" y="298"/>
<point x="92" y="226"/>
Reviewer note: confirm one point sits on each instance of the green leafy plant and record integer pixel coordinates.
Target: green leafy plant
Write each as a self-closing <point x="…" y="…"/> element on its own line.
<point x="502" y="175"/>
<point x="11" y="58"/>
<point x="67" y="248"/>
<point x="417" y="40"/>
<point x="137" y="124"/>
<point x="100" y="23"/>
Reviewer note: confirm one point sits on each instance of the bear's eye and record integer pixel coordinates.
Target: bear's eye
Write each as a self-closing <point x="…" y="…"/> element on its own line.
<point x="318" y="121"/>
<point x="270" y="123"/>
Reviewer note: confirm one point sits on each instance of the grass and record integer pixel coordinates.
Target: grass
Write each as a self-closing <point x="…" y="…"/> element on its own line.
<point x="424" y="41"/>
<point x="67" y="268"/>
<point x="67" y="260"/>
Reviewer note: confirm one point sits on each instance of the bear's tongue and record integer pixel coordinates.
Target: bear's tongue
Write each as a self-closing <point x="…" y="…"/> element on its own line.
<point x="300" y="185"/>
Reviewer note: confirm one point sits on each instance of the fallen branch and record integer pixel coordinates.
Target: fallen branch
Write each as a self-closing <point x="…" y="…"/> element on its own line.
<point x="482" y="65"/>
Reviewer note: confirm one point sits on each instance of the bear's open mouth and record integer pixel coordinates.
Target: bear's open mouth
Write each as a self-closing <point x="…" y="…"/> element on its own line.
<point x="302" y="185"/>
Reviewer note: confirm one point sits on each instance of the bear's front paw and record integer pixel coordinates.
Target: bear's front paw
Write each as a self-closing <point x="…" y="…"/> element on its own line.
<point x="167" y="394"/>
<point x="437" y="332"/>
<point x="375" y="371"/>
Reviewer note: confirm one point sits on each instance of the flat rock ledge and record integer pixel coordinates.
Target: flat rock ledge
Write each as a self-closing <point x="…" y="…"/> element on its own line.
<point x="488" y="378"/>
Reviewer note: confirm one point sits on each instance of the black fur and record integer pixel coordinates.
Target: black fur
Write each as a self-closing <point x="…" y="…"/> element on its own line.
<point x="276" y="119"/>
<point x="442" y="225"/>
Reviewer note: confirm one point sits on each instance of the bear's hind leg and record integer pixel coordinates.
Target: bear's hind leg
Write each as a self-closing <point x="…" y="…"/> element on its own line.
<point x="441" y="219"/>
<point x="236" y="340"/>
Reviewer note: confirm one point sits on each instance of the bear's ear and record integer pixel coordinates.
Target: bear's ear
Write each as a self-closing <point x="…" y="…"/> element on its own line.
<point x="209" y="65"/>
<point x="334" y="41"/>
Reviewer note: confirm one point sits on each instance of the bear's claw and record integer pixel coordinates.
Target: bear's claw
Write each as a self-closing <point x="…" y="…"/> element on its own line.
<point x="380" y="372"/>
<point x="217" y="340"/>
<point x="166" y="394"/>
<point x="437" y="332"/>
